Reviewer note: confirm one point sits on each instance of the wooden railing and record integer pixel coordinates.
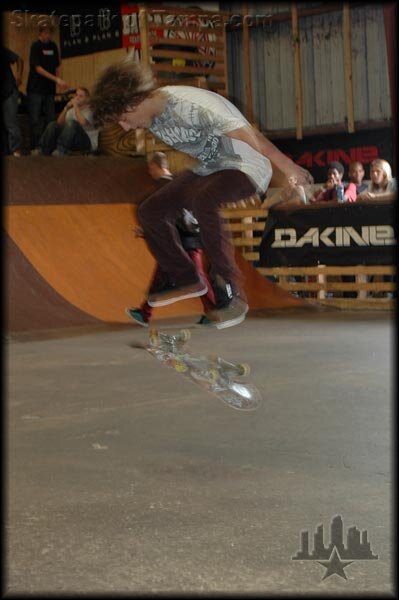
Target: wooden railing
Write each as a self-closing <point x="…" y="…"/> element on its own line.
<point x="246" y="225"/>
<point x="347" y="287"/>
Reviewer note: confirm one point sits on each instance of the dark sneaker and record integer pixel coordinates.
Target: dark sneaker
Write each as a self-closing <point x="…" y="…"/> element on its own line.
<point x="230" y="307"/>
<point x="204" y="321"/>
<point x="172" y="294"/>
<point x="137" y="315"/>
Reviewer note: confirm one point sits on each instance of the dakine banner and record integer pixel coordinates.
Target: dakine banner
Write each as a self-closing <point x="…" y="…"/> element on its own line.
<point x="315" y="152"/>
<point x="85" y="30"/>
<point x="340" y="234"/>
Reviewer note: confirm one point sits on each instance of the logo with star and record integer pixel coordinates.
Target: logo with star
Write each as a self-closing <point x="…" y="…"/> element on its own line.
<point x="335" y="566"/>
<point x="334" y="556"/>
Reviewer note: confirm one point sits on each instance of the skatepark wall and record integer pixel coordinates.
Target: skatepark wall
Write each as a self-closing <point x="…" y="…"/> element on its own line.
<point x="71" y="256"/>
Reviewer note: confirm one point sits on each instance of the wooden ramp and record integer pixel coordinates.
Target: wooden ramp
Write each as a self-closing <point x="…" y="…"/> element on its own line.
<point x="80" y="262"/>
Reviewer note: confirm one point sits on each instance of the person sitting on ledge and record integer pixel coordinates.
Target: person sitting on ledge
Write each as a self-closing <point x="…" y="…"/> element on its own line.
<point x="74" y="129"/>
<point x="291" y="196"/>
<point x="335" y="174"/>
<point x="382" y="185"/>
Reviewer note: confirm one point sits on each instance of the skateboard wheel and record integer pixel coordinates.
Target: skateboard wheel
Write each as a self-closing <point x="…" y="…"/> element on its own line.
<point x="244" y="369"/>
<point x="185" y="335"/>
<point x="180" y="366"/>
<point x="213" y="375"/>
<point x="154" y="337"/>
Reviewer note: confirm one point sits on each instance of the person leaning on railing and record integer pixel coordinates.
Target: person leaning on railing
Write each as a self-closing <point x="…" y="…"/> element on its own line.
<point x="382" y="185"/>
<point x="291" y="196"/>
<point x="356" y="175"/>
<point x="335" y="176"/>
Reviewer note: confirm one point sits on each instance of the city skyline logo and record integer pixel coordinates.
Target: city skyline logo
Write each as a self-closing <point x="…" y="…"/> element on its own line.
<point x="336" y="556"/>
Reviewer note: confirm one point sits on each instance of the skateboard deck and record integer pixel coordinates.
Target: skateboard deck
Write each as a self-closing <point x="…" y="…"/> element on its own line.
<point x="212" y="373"/>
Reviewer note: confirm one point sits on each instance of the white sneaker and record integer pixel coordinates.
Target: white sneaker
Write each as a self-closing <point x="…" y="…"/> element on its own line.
<point x="232" y="314"/>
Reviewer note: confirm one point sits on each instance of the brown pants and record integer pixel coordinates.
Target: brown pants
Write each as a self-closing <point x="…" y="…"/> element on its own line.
<point x="203" y="195"/>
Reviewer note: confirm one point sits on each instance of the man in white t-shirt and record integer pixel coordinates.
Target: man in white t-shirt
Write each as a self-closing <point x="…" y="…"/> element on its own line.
<point x="234" y="162"/>
<point x="73" y="130"/>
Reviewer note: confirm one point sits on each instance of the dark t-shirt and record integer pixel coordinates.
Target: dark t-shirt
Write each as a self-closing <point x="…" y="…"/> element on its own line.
<point x="361" y="187"/>
<point x="46" y="56"/>
<point x="8" y="83"/>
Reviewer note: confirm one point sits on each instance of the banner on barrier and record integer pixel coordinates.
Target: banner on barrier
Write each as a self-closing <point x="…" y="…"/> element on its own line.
<point x="336" y="234"/>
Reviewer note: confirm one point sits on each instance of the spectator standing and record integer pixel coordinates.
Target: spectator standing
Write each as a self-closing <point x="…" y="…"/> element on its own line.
<point x="73" y="130"/>
<point x="9" y="100"/>
<point x="43" y="78"/>
<point x="335" y="175"/>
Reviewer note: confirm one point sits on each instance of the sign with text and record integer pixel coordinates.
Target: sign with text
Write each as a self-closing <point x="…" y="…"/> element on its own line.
<point x="335" y="234"/>
<point x="84" y="31"/>
<point x="315" y="152"/>
<point x="130" y="26"/>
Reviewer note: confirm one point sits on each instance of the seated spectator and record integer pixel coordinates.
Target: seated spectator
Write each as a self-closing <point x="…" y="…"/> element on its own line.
<point x="73" y="130"/>
<point x="335" y="174"/>
<point x="382" y="185"/>
<point x="356" y="175"/>
<point x="291" y="196"/>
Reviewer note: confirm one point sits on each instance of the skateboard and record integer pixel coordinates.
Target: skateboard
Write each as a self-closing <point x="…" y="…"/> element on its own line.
<point x="212" y="373"/>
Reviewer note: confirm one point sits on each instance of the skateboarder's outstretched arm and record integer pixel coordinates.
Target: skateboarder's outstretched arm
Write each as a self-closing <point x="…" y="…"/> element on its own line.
<point x="281" y="163"/>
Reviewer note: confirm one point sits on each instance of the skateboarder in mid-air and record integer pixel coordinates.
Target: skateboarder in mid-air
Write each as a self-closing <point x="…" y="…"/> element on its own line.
<point x="234" y="162"/>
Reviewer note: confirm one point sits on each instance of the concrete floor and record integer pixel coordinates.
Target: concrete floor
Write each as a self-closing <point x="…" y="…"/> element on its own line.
<point x="123" y="476"/>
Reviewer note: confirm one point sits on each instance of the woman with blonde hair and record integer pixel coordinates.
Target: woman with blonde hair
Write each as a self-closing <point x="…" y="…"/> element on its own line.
<point x="382" y="185"/>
